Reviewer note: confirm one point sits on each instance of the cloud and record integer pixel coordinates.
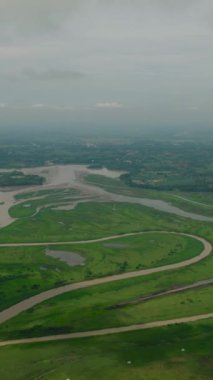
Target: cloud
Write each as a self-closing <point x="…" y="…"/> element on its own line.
<point x="42" y="106"/>
<point x="50" y="107"/>
<point x="38" y="105"/>
<point x="193" y="108"/>
<point x="38" y="16"/>
<point x="52" y="74"/>
<point x="105" y="55"/>
<point x="109" y="105"/>
<point x="43" y="17"/>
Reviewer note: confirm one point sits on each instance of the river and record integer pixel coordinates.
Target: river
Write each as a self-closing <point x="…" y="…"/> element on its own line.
<point x="61" y="176"/>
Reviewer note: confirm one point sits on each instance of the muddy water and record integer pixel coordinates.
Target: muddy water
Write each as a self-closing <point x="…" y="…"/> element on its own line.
<point x="6" y="201"/>
<point x="71" y="258"/>
<point x="161" y="206"/>
<point x="55" y="177"/>
<point x="67" y="174"/>
<point x="71" y="176"/>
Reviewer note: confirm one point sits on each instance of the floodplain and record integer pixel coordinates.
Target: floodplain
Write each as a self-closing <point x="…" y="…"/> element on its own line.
<point x="112" y="238"/>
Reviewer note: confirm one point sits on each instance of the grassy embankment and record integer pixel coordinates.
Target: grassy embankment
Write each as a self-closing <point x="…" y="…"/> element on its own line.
<point x="36" y="200"/>
<point x="61" y="192"/>
<point x="199" y="203"/>
<point x="182" y="351"/>
<point x="17" y="178"/>
<point x="90" y="309"/>
<point x="96" y="220"/>
<point x="27" y="270"/>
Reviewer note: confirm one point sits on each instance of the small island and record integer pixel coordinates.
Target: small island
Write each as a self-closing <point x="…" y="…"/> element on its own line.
<point x="17" y="178"/>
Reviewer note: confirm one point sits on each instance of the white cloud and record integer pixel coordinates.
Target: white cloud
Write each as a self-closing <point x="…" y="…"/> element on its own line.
<point x="106" y="58"/>
<point x="110" y="105"/>
<point x="193" y="108"/>
<point x="51" y="107"/>
<point x="52" y="74"/>
<point x="38" y="105"/>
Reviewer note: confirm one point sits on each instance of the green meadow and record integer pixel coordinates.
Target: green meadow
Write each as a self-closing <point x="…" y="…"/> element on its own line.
<point x="26" y="271"/>
<point x="37" y="200"/>
<point x="91" y="308"/>
<point x="174" y="352"/>
<point x="199" y="203"/>
<point x="95" y="220"/>
<point x="157" y="354"/>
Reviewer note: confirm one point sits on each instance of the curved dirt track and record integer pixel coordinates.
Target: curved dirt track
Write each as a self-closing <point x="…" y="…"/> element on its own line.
<point x="202" y="240"/>
<point x="152" y="296"/>
<point x="113" y="330"/>
<point x="66" y="178"/>
<point x="32" y="301"/>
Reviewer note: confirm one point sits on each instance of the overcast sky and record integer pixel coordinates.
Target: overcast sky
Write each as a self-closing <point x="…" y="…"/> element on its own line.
<point x="106" y="62"/>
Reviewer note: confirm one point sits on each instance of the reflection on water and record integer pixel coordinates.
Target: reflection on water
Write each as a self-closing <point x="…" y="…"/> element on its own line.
<point x="71" y="258"/>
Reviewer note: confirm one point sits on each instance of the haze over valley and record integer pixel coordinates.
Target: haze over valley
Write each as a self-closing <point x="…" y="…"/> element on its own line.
<point x="106" y="190"/>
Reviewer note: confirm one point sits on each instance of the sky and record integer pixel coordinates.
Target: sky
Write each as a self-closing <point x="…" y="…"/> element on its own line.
<point x="106" y="63"/>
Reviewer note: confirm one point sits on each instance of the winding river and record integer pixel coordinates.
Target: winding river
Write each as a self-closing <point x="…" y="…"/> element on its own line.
<point x="14" y="310"/>
<point x="71" y="176"/>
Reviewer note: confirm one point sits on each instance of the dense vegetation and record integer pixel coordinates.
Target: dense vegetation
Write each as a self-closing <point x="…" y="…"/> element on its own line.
<point x="160" y="165"/>
<point x="198" y="203"/>
<point x="96" y="220"/>
<point x="174" y="352"/>
<point x="176" y="168"/>
<point x="25" y="271"/>
<point x="17" y="178"/>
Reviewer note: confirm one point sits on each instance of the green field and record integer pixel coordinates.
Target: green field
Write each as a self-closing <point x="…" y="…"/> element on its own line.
<point x="94" y="220"/>
<point x="27" y="270"/>
<point x="199" y="203"/>
<point x="90" y="309"/>
<point x="182" y="351"/>
<point x="47" y="193"/>
<point x="37" y="200"/>
<point x="171" y="164"/>
<point x="17" y="178"/>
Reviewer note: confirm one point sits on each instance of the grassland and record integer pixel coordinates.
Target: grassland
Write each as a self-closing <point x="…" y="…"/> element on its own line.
<point x="175" y="352"/>
<point x="37" y="200"/>
<point x="17" y="178"/>
<point x="94" y="220"/>
<point x="25" y="271"/>
<point x="47" y="193"/>
<point x="182" y="351"/>
<point x="90" y="309"/>
<point x="200" y="203"/>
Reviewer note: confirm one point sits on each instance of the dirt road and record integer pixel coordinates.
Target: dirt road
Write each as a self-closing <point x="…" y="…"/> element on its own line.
<point x="152" y="296"/>
<point x="14" y="310"/>
<point x="114" y="330"/>
<point x="66" y="176"/>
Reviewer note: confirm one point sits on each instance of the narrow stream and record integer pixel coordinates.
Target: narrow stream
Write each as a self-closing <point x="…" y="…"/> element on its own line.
<point x="62" y="176"/>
